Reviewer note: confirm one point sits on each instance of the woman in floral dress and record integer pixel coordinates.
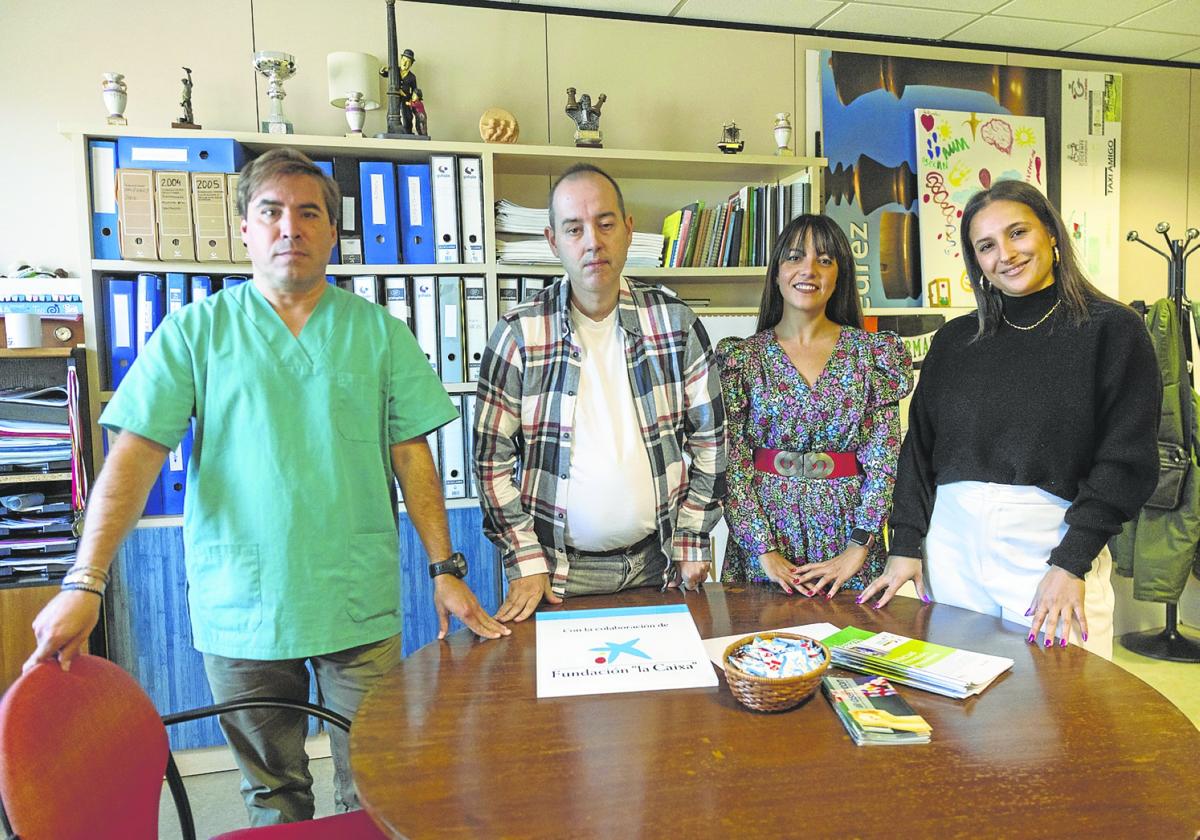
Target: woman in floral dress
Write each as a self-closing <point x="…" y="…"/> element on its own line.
<point x="813" y="424"/>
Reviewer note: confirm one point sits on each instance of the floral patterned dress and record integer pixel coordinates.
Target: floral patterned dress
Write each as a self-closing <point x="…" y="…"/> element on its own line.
<point x="851" y="407"/>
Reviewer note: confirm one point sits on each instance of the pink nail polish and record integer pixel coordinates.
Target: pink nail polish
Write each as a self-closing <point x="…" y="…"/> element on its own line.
<point x="858" y="600"/>
<point x="925" y="598"/>
<point x="1029" y="612"/>
<point x="1049" y="642"/>
<point x="1085" y="637"/>
<point x="877" y="605"/>
<point x="1032" y="638"/>
<point x="1062" y="642"/>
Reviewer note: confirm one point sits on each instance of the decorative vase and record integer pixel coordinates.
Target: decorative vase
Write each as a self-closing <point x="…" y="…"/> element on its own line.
<point x="116" y="95"/>
<point x="356" y="114"/>
<point x="783" y="133"/>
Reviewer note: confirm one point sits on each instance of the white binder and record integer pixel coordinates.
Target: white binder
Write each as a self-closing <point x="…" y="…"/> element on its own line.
<point x="468" y="414"/>
<point x="530" y="286"/>
<point x="470" y="198"/>
<point x="475" y="314"/>
<point x="445" y="208"/>
<point x="366" y="286"/>
<point x="509" y="291"/>
<point x="450" y="326"/>
<point x="395" y="290"/>
<point x="454" y="464"/>
<point x="425" y="317"/>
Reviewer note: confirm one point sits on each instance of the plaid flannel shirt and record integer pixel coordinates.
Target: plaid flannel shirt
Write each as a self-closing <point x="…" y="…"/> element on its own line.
<point x="524" y="416"/>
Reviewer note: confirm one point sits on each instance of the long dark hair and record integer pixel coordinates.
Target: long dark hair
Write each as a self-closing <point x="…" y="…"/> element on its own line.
<point x="1074" y="289"/>
<point x="843" y="306"/>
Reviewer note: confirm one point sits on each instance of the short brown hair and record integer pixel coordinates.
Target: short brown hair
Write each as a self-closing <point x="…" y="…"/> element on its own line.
<point x="279" y="163"/>
<point x="583" y="168"/>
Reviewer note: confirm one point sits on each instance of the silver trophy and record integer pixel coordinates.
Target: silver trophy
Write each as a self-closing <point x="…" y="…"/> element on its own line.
<point x="278" y="67"/>
<point x="116" y="94"/>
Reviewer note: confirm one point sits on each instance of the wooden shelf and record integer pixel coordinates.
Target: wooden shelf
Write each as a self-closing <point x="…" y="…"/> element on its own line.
<point x="36" y="352"/>
<point x="27" y="477"/>
<point x="245" y="269"/>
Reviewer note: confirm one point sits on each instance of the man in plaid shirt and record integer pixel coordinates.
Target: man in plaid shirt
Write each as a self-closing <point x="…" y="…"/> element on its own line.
<point x="596" y="389"/>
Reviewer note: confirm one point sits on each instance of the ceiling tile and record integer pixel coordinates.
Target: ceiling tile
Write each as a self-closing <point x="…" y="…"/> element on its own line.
<point x="800" y="14"/>
<point x="1136" y="43"/>
<point x="897" y="21"/>
<point x="629" y="7"/>
<point x="1101" y="12"/>
<point x="1193" y="56"/>
<point x="980" y="6"/>
<point x="1177" y="16"/>
<point x="1001" y="32"/>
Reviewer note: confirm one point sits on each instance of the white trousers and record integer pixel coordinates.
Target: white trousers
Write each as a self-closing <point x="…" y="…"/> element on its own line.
<point x="986" y="551"/>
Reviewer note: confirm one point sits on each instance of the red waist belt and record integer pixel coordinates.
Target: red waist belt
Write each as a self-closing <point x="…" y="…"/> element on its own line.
<point x="807" y="464"/>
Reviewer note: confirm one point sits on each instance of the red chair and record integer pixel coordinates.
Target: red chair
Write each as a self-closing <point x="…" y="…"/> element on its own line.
<point x="83" y="754"/>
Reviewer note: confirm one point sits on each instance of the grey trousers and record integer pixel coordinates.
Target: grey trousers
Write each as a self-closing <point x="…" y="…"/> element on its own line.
<point x="268" y="744"/>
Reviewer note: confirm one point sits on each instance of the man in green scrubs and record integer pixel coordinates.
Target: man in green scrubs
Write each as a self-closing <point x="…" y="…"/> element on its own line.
<point x="307" y="401"/>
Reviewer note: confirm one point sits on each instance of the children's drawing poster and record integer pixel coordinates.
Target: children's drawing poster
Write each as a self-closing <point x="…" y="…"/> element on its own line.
<point x="960" y="153"/>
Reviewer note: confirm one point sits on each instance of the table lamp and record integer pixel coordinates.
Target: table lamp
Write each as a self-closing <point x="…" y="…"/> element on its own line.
<point x="354" y="86"/>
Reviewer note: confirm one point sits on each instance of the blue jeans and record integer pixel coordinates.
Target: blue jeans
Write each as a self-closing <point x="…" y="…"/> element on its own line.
<point x="590" y="575"/>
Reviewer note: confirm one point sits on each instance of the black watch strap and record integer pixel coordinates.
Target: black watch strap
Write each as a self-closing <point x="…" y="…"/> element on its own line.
<point x="455" y="565"/>
<point x="863" y="537"/>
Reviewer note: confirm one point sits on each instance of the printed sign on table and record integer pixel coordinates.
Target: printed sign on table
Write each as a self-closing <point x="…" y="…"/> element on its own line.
<point x="615" y="650"/>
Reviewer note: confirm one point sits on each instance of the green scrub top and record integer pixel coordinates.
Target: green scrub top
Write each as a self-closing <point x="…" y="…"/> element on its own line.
<point x="289" y="530"/>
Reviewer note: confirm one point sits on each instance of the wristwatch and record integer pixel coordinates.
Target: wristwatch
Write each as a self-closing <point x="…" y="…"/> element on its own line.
<point x="455" y="565"/>
<point x="863" y="537"/>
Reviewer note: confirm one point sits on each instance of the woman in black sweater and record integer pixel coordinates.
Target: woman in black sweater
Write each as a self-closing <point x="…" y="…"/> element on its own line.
<point x="1031" y="435"/>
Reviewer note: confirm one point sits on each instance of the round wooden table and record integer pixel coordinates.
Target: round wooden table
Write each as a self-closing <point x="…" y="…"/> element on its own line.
<point x="454" y="743"/>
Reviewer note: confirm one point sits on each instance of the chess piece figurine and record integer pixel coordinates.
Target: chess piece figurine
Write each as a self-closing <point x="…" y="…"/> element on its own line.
<point x="497" y="125"/>
<point x="587" y="118"/>
<point x="116" y="95"/>
<point x="185" y="102"/>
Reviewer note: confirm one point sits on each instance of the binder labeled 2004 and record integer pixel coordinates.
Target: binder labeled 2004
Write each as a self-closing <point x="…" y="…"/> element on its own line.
<point x="445" y="208"/>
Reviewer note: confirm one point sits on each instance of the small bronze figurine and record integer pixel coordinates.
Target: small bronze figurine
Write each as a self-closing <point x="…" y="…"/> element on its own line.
<point x="185" y="102"/>
<point x="586" y="117"/>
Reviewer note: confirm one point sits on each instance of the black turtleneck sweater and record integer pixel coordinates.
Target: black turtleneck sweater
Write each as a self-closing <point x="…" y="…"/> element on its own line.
<point x="1071" y="409"/>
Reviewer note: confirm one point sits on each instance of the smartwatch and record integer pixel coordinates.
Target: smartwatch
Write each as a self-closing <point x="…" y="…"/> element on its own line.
<point x="863" y="537"/>
<point x="455" y="565"/>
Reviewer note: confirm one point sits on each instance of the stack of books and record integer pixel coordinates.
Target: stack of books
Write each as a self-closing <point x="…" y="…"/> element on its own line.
<point x="644" y="252"/>
<point x="740" y="231"/>
<point x="937" y="668"/>
<point x="873" y="712"/>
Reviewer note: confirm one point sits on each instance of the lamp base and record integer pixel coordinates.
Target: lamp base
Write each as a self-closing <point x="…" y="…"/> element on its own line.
<point x="400" y="136"/>
<point x="114" y="120"/>
<point x="269" y="127"/>
<point x="184" y="125"/>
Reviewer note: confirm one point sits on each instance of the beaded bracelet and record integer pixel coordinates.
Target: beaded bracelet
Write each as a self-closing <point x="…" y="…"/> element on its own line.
<point x="95" y="570"/>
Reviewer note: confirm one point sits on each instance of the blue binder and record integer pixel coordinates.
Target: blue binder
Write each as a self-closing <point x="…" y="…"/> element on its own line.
<point x="416" y="213"/>
<point x="201" y="287"/>
<point x="233" y="280"/>
<point x="154" y="499"/>
<point x="120" y="322"/>
<point x="177" y="292"/>
<point x="381" y="235"/>
<point x="150" y="304"/>
<point x="106" y="242"/>
<point x="182" y="154"/>
<point x="326" y="166"/>
<point x="450" y="328"/>
<point x="174" y="476"/>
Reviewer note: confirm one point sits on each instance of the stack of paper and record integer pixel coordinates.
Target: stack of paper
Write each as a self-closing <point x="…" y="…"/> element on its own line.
<point x="513" y="218"/>
<point x="937" y="668"/>
<point x="644" y="252"/>
<point x="872" y="711"/>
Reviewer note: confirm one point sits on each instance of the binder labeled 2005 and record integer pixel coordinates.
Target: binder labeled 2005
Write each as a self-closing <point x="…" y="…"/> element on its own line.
<point x="445" y="208"/>
<point x="450" y="326"/>
<point x="470" y="199"/>
<point x="381" y="235"/>
<point x="416" y="213"/>
<point x="425" y="317"/>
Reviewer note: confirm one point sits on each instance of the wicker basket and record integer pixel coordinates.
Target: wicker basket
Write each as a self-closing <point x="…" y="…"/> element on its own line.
<point x="771" y="694"/>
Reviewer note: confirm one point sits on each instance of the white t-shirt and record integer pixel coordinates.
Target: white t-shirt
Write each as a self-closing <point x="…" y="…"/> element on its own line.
<point x="610" y="494"/>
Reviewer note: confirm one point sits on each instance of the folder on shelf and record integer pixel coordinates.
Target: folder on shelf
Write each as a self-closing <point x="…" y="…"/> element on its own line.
<point x="106" y="242"/>
<point x="120" y="321"/>
<point x="395" y="290"/>
<point x="154" y="499"/>
<point x="381" y="235"/>
<point x="454" y="462"/>
<point x="174" y="476"/>
<point x="445" y="208"/>
<point x="450" y="326"/>
<point x="416" y="213"/>
<point x="508" y="293"/>
<point x="468" y="415"/>
<point x="475" y="315"/>
<point x="470" y="198"/>
<point x="186" y="154"/>
<point x="173" y="215"/>
<point x="210" y="207"/>
<point x="366" y="286"/>
<point x="335" y="255"/>
<point x="201" y="287"/>
<point x="530" y="286"/>
<point x="233" y="280"/>
<point x="350" y="242"/>
<point x="425" y="317"/>
<point x="237" y="247"/>
<point x="150" y="304"/>
<point x="135" y="207"/>
<point x="177" y="291"/>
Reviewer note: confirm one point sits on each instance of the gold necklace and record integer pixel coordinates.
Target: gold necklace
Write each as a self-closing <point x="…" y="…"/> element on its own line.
<point x="1036" y="323"/>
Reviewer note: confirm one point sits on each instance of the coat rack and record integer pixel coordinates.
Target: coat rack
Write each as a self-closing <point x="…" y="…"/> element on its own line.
<point x="1169" y="643"/>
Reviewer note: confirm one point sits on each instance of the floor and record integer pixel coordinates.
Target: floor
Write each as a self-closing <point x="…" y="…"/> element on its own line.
<point x="217" y="804"/>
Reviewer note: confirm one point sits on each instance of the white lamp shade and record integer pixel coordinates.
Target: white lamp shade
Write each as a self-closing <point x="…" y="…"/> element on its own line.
<point x="349" y="71"/>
